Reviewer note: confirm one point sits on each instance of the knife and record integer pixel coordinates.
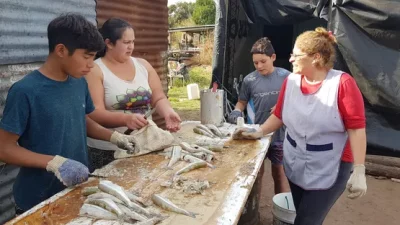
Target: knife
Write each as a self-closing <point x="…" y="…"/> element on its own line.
<point x="146" y="115"/>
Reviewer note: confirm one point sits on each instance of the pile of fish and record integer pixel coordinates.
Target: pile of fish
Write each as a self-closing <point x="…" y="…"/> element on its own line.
<point x="108" y="203"/>
<point x="209" y="130"/>
<point x="197" y="156"/>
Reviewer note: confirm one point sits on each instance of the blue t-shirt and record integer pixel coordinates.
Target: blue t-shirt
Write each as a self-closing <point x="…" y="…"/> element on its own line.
<point x="49" y="117"/>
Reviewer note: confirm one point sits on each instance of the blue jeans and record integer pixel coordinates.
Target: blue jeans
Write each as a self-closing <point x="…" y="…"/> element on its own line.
<point x="312" y="206"/>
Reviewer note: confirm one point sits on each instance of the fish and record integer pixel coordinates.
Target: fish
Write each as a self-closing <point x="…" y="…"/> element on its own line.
<point x="132" y="214"/>
<point x="169" y="206"/>
<point x="151" y="221"/>
<point x="200" y="155"/>
<point x="209" y="158"/>
<point x="101" y="195"/>
<point x="135" y="198"/>
<point x="216" y="148"/>
<point x="81" y="221"/>
<point x="111" y="222"/>
<point x="214" y="129"/>
<point x="90" y="190"/>
<point x="186" y="146"/>
<point x="202" y="149"/>
<point x="96" y="212"/>
<point x="192" y="159"/>
<point x="176" y="154"/>
<point x="106" y="204"/>
<point x="202" y="132"/>
<point x="191" y="166"/>
<point x="202" y="127"/>
<point x="116" y="190"/>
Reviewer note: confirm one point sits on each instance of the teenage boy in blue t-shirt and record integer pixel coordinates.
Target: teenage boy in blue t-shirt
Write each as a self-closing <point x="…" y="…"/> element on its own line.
<point x="45" y="120"/>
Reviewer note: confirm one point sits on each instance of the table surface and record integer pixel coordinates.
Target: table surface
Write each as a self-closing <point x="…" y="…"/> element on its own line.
<point x="231" y="181"/>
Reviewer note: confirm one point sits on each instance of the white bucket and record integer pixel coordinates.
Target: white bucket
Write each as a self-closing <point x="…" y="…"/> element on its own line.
<point x="212" y="107"/>
<point x="283" y="209"/>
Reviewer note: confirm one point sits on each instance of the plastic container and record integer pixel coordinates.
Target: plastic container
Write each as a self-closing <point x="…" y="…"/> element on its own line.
<point x="283" y="209"/>
<point x="193" y="91"/>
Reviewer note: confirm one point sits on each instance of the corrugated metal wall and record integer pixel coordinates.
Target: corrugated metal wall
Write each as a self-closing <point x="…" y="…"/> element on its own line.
<point x="7" y="177"/>
<point x="23" y="48"/>
<point x="150" y="21"/>
<point x="23" y="26"/>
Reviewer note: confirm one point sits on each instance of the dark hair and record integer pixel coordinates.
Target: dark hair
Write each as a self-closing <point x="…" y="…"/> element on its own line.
<point x="263" y="46"/>
<point x="113" y="29"/>
<point x="75" y="32"/>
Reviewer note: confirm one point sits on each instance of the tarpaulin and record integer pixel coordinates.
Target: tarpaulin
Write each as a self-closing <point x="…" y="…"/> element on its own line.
<point x="368" y="34"/>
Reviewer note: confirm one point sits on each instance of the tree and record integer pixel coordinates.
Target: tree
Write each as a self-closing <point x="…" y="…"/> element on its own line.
<point x="179" y="12"/>
<point x="204" y="12"/>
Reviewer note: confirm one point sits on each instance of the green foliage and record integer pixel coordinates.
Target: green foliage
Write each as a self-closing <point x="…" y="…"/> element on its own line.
<point x="179" y="12"/>
<point x="204" y="12"/>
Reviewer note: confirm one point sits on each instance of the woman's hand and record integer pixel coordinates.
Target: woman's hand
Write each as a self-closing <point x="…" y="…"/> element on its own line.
<point x="135" y="121"/>
<point x="173" y="121"/>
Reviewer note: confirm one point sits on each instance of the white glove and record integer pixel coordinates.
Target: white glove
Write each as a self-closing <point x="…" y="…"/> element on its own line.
<point x="122" y="141"/>
<point x="357" y="184"/>
<point x="247" y="133"/>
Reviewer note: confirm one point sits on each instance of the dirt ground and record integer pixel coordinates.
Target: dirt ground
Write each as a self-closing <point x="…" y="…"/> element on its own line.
<point x="381" y="205"/>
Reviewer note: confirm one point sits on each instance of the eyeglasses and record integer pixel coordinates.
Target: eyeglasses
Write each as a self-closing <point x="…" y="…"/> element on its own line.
<point x="297" y="55"/>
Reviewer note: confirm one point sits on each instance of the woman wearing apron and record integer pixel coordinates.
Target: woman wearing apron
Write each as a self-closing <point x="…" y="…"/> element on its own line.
<point x="122" y="88"/>
<point x="323" y="111"/>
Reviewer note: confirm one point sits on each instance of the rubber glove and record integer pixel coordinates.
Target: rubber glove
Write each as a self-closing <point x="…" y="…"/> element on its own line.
<point x="357" y="184"/>
<point x="122" y="141"/>
<point x="247" y="133"/>
<point x="232" y="118"/>
<point x="68" y="171"/>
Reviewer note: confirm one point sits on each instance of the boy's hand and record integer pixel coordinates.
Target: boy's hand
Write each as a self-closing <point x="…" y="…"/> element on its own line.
<point x="122" y="141"/>
<point x="232" y="118"/>
<point x="68" y="171"/>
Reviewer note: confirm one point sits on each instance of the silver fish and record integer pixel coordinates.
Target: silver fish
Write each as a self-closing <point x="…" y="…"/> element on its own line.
<point x="216" y="147"/>
<point x="209" y="158"/>
<point x="202" y="149"/>
<point x="214" y="129"/>
<point x="132" y="214"/>
<point x="110" y="222"/>
<point x="202" y="132"/>
<point x="186" y="146"/>
<point x="202" y="127"/>
<point x="106" y="204"/>
<point x="200" y="155"/>
<point x="135" y="198"/>
<point x="151" y="221"/>
<point x="116" y="190"/>
<point x="81" y="221"/>
<point x="169" y="206"/>
<point x="90" y="190"/>
<point x="176" y="154"/>
<point x="191" y="166"/>
<point x="101" y="195"/>
<point x="192" y="159"/>
<point x="96" y="212"/>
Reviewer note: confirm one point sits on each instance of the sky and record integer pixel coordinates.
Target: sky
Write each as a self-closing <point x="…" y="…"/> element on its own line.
<point x="171" y="2"/>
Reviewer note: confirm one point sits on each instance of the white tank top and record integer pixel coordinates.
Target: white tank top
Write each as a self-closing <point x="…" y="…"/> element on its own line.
<point x="123" y="96"/>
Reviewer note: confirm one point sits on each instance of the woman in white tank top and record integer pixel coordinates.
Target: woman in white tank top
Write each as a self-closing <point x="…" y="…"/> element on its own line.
<point x="122" y="87"/>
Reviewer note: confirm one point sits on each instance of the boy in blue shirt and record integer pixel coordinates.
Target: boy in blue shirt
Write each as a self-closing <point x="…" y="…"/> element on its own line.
<point x="45" y="122"/>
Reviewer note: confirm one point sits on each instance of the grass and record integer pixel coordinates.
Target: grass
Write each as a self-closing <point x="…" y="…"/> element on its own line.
<point x="178" y="93"/>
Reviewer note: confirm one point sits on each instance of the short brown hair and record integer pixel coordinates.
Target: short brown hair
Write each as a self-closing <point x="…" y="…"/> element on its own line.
<point x="263" y="46"/>
<point x="318" y="41"/>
